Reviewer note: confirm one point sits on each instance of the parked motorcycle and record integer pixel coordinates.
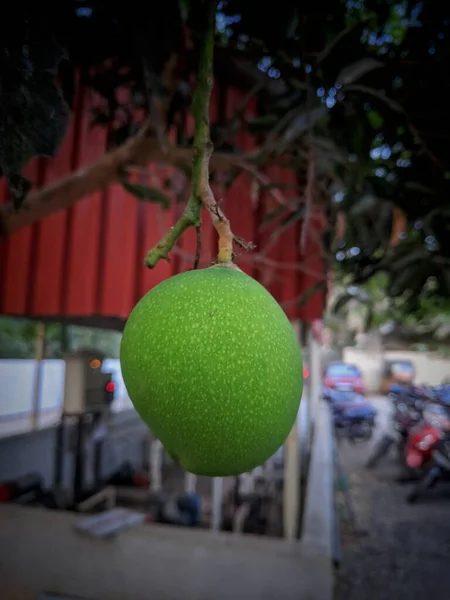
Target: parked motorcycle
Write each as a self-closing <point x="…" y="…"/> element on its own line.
<point x="419" y="447"/>
<point x="353" y="416"/>
<point x="438" y="469"/>
<point x="403" y="418"/>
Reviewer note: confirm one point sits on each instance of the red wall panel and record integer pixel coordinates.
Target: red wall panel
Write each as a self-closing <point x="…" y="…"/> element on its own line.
<point x="49" y="278"/>
<point x="240" y="201"/>
<point x="85" y="225"/>
<point x="153" y="222"/>
<point x="118" y="267"/>
<point x="88" y="261"/>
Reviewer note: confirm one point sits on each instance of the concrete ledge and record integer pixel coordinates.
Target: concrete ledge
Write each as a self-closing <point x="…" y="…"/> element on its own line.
<point x="318" y="516"/>
<point x="40" y="551"/>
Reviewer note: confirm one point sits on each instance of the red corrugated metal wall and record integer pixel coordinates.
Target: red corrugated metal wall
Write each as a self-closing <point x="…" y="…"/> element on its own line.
<point x="88" y="261"/>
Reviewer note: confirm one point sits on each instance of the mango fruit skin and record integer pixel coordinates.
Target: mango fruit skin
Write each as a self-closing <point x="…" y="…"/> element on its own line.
<point x="213" y="367"/>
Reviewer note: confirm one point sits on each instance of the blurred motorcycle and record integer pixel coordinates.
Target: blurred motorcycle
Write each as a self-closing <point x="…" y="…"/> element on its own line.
<point x="438" y="469"/>
<point x="353" y="416"/>
<point x="404" y="416"/>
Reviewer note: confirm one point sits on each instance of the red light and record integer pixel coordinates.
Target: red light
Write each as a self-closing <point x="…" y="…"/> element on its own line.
<point x="305" y="373"/>
<point x="110" y="386"/>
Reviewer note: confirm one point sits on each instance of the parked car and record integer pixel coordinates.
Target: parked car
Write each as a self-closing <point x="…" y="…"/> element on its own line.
<point x="343" y="377"/>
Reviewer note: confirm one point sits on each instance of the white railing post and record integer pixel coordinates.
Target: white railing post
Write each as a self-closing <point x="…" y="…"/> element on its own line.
<point x="315" y="375"/>
<point x="37" y="384"/>
<point x="155" y="466"/>
<point x="217" y="493"/>
<point x="291" y="485"/>
<point x="190" y="482"/>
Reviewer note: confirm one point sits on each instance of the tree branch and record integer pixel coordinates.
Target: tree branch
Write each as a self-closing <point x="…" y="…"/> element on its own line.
<point x="309" y="197"/>
<point x="138" y="151"/>
<point x="201" y="192"/>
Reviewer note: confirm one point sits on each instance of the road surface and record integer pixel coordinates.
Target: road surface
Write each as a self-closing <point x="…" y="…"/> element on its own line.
<point x="406" y="552"/>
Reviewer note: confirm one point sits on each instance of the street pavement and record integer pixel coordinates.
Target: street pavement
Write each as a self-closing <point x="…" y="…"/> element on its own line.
<point x="399" y="551"/>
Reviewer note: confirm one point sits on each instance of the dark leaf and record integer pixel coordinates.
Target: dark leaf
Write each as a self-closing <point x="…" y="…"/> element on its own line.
<point x="182" y="166"/>
<point x="418" y="187"/>
<point x="329" y="49"/>
<point x="364" y="89"/>
<point x="33" y="117"/>
<point x="287" y="222"/>
<point x="279" y="210"/>
<point x="142" y="192"/>
<point x="357" y="70"/>
<point x="363" y="205"/>
<point x="410" y="279"/>
<point x="327" y="146"/>
<point x="331" y="45"/>
<point x="306" y="297"/>
<point x="305" y="119"/>
<point x="262" y="124"/>
<point x="401" y="260"/>
<point x="341" y="302"/>
<point x="369" y="319"/>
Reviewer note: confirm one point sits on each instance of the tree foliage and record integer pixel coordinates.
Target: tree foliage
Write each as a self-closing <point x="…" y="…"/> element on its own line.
<point x="356" y="107"/>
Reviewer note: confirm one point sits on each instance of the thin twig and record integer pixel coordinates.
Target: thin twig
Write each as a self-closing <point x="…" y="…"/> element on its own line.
<point x="198" y="246"/>
<point x="306" y="296"/>
<point x="264" y="181"/>
<point x="309" y="198"/>
<point x="201" y="192"/>
<point x="135" y="154"/>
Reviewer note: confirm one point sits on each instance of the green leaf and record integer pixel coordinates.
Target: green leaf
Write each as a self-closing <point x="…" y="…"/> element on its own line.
<point x="142" y="192"/>
<point x="375" y="119"/>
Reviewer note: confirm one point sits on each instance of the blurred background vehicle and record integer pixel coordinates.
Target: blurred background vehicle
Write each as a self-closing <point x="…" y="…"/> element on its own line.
<point x="353" y="416"/>
<point x="399" y="372"/>
<point x="343" y="377"/>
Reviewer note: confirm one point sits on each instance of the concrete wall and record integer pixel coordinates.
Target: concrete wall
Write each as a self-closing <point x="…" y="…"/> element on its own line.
<point x="41" y="551"/>
<point x="430" y="368"/>
<point x="34" y="451"/>
<point x="17" y="378"/>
